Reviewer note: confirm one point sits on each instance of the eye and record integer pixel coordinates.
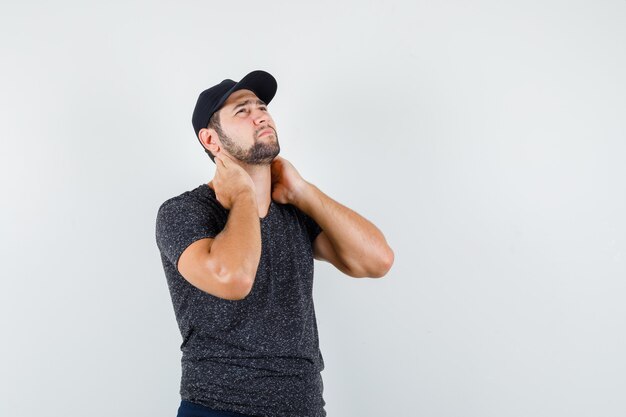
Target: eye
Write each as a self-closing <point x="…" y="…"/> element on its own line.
<point x="240" y="110"/>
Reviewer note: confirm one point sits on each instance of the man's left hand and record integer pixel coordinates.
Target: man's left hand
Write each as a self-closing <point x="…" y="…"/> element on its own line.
<point x="287" y="184"/>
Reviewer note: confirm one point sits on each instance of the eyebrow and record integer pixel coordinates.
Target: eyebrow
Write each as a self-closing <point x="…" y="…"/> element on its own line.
<point x="243" y="103"/>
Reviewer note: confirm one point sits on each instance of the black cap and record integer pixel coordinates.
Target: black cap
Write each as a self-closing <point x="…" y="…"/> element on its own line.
<point x="262" y="83"/>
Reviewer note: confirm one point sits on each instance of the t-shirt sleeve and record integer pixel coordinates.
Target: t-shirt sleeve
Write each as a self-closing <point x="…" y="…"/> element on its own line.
<point x="312" y="228"/>
<point x="180" y="223"/>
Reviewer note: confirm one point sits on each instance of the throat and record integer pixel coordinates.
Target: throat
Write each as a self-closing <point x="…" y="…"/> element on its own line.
<point x="266" y="212"/>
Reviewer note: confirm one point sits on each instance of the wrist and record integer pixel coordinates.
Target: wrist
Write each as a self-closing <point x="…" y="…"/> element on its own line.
<point x="303" y="194"/>
<point x="245" y="196"/>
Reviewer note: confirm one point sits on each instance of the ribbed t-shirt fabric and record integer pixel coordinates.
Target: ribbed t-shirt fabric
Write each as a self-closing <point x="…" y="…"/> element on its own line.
<point x="258" y="356"/>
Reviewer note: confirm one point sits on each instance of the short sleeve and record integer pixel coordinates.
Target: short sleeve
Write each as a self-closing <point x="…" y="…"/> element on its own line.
<point x="312" y="228"/>
<point x="179" y="223"/>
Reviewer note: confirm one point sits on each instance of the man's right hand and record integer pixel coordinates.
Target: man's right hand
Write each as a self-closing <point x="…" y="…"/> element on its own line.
<point x="226" y="265"/>
<point x="230" y="181"/>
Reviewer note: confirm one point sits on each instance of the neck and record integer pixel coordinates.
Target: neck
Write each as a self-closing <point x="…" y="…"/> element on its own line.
<point x="262" y="177"/>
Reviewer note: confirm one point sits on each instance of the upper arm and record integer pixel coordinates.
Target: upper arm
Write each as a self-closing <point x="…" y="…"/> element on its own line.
<point x="323" y="251"/>
<point x="185" y="233"/>
<point x="202" y="269"/>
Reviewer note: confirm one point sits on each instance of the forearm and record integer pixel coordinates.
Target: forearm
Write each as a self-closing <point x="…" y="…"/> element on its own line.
<point x="359" y="244"/>
<point x="239" y="243"/>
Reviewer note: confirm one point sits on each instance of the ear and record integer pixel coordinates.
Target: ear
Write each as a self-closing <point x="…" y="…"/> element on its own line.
<point x="210" y="140"/>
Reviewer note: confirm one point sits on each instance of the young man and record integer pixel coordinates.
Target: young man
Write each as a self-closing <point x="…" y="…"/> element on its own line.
<point x="238" y="257"/>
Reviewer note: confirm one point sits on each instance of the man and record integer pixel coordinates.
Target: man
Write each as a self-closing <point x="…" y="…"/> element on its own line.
<point x="238" y="257"/>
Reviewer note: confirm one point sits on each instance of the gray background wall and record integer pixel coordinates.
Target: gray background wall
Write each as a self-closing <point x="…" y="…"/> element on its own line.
<point x="486" y="139"/>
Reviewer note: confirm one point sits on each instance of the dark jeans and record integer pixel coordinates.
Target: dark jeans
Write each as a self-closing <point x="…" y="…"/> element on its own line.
<point x="189" y="409"/>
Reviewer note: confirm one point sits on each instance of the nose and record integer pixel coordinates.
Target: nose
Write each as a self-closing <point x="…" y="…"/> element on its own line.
<point x="260" y="116"/>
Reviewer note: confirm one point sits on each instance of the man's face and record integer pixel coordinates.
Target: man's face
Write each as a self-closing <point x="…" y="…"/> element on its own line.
<point x="247" y="129"/>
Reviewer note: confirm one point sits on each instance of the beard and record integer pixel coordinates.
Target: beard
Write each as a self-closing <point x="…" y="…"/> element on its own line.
<point x="262" y="152"/>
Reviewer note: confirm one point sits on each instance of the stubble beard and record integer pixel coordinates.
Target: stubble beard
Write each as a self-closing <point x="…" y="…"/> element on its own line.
<point x="262" y="152"/>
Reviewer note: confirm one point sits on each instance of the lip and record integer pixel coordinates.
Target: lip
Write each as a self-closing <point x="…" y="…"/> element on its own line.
<point x="266" y="131"/>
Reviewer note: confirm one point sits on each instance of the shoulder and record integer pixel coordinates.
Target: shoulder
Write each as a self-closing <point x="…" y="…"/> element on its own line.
<point x="196" y="197"/>
<point x="303" y="217"/>
<point x="198" y="201"/>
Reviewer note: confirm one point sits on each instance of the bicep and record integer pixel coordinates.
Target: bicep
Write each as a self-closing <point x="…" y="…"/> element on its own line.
<point x="323" y="251"/>
<point x="202" y="270"/>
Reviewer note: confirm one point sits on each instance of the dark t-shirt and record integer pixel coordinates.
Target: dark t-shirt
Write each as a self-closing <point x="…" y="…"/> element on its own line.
<point x="260" y="355"/>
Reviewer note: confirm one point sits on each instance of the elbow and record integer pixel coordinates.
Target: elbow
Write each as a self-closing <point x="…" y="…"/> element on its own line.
<point x="376" y="268"/>
<point x="238" y="287"/>
<point x="384" y="265"/>
<point x="233" y="286"/>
